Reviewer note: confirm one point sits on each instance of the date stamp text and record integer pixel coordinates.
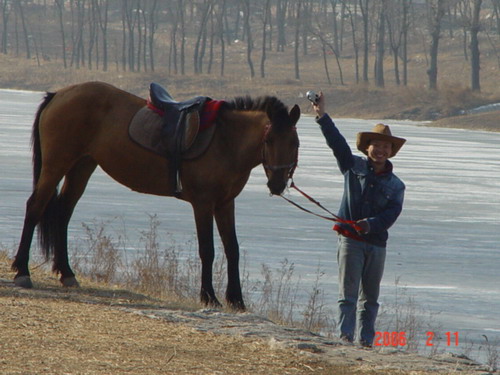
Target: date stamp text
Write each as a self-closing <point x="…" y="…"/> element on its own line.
<point x="396" y="339"/>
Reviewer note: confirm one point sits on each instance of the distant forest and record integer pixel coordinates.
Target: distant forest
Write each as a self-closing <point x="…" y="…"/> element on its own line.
<point x="195" y="36"/>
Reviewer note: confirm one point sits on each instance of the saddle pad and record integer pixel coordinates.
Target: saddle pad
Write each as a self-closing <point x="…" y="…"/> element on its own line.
<point x="145" y="129"/>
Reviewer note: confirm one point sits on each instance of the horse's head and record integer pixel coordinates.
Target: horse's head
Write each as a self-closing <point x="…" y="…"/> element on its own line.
<point x="281" y="148"/>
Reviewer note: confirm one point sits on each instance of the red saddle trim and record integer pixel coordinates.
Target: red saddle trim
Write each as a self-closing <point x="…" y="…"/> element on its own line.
<point x="209" y="113"/>
<point x="207" y="116"/>
<point x="157" y="110"/>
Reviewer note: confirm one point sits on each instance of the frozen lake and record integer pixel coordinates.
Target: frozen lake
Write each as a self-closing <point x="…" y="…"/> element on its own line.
<point x="444" y="249"/>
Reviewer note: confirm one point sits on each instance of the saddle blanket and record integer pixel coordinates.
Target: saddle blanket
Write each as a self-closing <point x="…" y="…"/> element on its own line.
<point x="146" y="127"/>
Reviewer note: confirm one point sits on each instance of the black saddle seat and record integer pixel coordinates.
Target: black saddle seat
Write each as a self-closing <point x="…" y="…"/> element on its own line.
<point x="162" y="99"/>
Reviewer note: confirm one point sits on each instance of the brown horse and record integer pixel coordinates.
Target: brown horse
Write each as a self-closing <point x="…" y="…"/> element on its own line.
<point x="85" y="125"/>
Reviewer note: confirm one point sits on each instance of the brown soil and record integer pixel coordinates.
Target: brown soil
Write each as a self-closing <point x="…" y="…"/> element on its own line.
<point x="104" y="330"/>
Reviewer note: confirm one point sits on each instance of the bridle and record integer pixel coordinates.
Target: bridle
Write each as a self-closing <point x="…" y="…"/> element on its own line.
<point x="273" y="168"/>
<point x="291" y="169"/>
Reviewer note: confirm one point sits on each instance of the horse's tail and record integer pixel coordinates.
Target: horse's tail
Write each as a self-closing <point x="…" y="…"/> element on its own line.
<point x="47" y="226"/>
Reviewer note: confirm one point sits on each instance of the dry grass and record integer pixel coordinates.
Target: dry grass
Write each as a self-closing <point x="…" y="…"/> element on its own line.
<point x="52" y="330"/>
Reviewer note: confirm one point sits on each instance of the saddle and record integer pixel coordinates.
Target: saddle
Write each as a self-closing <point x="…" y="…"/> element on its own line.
<point x="181" y="119"/>
<point x="172" y="129"/>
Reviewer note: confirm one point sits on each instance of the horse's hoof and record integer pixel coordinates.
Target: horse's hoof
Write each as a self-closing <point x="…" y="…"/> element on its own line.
<point x="23" y="282"/>
<point x="237" y="306"/>
<point x="70" y="282"/>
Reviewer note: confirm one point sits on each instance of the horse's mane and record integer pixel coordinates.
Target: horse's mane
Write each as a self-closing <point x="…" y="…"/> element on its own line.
<point x="276" y="110"/>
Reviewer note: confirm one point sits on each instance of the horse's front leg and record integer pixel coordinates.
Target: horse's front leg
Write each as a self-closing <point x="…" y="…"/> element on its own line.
<point x="224" y="216"/>
<point x="205" y="233"/>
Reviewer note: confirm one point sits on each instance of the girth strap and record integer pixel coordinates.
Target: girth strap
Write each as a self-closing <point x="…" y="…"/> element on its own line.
<point x="180" y="120"/>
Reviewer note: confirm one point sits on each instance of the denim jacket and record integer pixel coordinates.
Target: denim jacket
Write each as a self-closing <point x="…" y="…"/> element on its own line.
<point x="376" y="197"/>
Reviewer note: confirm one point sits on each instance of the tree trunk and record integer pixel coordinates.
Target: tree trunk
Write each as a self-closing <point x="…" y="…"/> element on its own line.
<point x="379" y="61"/>
<point x="267" y="15"/>
<point x="60" y="11"/>
<point x="335" y="30"/>
<point x="437" y="9"/>
<point x="297" y="39"/>
<point x="153" y="25"/>
<point x="248" y="32"/>
<point x="281" y="8"/>
<point x="20" y="11"/>
<point x="6" y="10"/>
<point x="201" y="39"/>
<point x="102" y="12"/>
<point x="474" y="46"/>
<point x="183" y="38"/>
<point x="406" y="27"/>
<point x="355" y="45"/>
<point x="220" y="32"/>
<point x="363" y="5"/>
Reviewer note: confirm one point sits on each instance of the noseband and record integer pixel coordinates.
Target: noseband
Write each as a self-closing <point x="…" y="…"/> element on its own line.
<point x="273" y="168"/>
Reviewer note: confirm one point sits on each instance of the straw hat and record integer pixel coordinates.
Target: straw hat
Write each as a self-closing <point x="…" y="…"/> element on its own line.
<point x="380" y="132"/>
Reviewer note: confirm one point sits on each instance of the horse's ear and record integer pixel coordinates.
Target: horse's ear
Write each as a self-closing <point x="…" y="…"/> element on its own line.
<point x="295" y="113"/>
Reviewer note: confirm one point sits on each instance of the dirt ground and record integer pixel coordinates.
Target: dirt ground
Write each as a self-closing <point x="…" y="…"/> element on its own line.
<point x="97" y="330"/>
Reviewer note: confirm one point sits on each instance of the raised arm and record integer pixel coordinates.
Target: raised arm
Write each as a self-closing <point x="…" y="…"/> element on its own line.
<point x="334" y="139"/>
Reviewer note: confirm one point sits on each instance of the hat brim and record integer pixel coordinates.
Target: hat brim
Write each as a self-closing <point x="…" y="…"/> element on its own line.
<point x="364" y="139"/>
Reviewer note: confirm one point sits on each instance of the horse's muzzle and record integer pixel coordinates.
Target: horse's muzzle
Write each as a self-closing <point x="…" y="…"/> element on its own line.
<point x="276" y="186"/>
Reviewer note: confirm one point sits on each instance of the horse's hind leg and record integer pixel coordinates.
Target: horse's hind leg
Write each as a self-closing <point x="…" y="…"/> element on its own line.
<point x="74" y="185"/>
<point x="43" y="195"/>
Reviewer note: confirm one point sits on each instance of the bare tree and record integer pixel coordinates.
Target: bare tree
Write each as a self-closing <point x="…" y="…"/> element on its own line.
<point x="102" y="14"/>
<point x="248" y="33"/>
<point x="335" y="28"/>
<point x="380" y="50"/>
<point x="464" y="9"/>
<point x="496" y="12"/>
<point x="297" y="39"/>
<point x="178" y="24"/>
<point x="20" y="12"/>
<point x="405" y="28"/>
<point x="363" y="6"/>
<point x="397" y="26"/>
<point x="474" y="46"/>
<point x="77" y="30"/>
<point x="355" y="45"/>
<point x="60" y="13"/>
<point x="201" y="38"/>
<point x="92" y="21"/>
<point x="6" y="11"/>
<point x="153" y="26"/>
<point x="327" y="44"/>
<point x="141" y="35"/>
<point x="281" y="10"/>
<point x="266" y="21"/>
<point x="436" y="9"/>
<point x="220" y="32"/>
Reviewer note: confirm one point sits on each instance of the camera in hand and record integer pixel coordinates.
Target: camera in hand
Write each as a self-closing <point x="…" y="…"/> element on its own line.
<point x="312" y="96"/>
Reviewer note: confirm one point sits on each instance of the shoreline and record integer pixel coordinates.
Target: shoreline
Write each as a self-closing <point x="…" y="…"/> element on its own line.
<point x="485" y="121"/>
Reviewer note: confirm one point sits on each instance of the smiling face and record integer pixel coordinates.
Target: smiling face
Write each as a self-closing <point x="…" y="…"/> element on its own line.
<point x="378" y="152"/>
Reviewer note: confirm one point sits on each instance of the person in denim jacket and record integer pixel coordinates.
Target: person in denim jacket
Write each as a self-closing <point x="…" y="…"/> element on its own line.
<point x="372" y="201"/>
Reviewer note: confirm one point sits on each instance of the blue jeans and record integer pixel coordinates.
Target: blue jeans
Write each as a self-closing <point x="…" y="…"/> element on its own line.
<point x="361" y="267"/>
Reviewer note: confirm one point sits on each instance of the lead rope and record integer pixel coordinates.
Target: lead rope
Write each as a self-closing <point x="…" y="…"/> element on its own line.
<point x="333" y="217"/>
